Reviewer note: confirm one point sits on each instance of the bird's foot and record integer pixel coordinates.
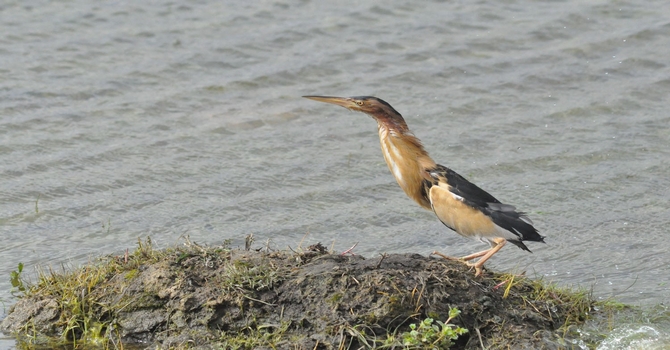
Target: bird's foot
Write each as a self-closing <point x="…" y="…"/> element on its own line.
<point x="452" y="258"/>
<point x="477" y="266"/>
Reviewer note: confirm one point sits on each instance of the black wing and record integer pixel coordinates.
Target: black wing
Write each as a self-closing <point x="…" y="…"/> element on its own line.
<point x="471" y="194"/>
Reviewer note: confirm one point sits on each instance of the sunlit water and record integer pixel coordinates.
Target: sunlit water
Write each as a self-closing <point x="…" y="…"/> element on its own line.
<point x="130" y="119"/>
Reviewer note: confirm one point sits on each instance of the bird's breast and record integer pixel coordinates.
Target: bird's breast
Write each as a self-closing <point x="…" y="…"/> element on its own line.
<point x="405" y="167"/>
<point x="393" y="157"/>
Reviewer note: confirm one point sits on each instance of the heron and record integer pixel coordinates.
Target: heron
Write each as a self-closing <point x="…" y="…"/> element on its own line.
<point x="458" y="203"/>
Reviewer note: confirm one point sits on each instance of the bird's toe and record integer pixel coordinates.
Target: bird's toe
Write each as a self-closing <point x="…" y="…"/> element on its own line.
<point x="478" y="267"/>
<point x="452" y="258"/>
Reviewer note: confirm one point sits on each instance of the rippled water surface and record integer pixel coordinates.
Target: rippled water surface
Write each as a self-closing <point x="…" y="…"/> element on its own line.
<point x="128" y="119"/>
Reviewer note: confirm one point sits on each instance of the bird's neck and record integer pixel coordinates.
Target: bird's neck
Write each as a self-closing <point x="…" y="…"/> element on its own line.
<point x="407" y="160"/>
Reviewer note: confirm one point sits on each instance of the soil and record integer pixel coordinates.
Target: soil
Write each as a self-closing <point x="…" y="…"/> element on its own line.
<point x="198" y="297"/>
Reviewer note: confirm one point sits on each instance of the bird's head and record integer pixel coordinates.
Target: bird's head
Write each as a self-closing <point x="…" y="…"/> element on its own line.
<point x="375" y="107"/>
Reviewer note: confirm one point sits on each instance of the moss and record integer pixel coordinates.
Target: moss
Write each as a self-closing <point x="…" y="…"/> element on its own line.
<point x="131" y="274"/>
<point x="335" y="298"/>
<point x="272" y="336"/>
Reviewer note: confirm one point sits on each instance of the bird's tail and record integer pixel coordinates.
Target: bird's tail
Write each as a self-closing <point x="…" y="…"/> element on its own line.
<point x="518" y="224"/>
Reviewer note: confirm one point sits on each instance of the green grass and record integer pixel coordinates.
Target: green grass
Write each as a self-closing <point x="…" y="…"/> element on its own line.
<point x="428" y="334"/>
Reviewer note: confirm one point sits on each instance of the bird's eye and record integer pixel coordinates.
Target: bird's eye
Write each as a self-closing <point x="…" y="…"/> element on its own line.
<point x="360" y="103"/>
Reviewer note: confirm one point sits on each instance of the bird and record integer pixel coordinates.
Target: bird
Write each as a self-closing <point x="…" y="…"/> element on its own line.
<point x="458" y="203"/>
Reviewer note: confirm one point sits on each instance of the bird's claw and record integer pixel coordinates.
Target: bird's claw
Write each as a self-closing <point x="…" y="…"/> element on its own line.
<point x="478" y="268"/>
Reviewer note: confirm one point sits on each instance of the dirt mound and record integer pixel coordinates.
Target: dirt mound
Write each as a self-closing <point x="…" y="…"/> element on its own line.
<point x="218" y="297"/>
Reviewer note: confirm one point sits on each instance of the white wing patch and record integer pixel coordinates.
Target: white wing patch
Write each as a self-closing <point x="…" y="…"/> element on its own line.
<point x="446" y="187"/>
<point x="456" y="196"/>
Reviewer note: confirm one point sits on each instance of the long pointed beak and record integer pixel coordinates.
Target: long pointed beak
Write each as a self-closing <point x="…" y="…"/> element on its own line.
<point x="340" y="101"/>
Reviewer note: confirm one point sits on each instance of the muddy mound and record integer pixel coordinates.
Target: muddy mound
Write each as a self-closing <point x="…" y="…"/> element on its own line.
<point x="206" y="297"/>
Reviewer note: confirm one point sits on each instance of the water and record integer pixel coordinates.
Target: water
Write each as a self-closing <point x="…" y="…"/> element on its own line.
<point x="121" y="120"/>
<point x="635" y="337"/>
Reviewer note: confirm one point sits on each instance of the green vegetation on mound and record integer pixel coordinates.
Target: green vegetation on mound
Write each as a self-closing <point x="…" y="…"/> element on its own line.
<point x="217" y="297"/>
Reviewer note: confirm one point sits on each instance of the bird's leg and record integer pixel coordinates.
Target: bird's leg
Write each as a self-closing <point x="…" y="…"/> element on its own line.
<point x="465" y="258"/>
<point x="500" y="242"/>
<point x="484" y="254"/>
<point x="475" y="255"/>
